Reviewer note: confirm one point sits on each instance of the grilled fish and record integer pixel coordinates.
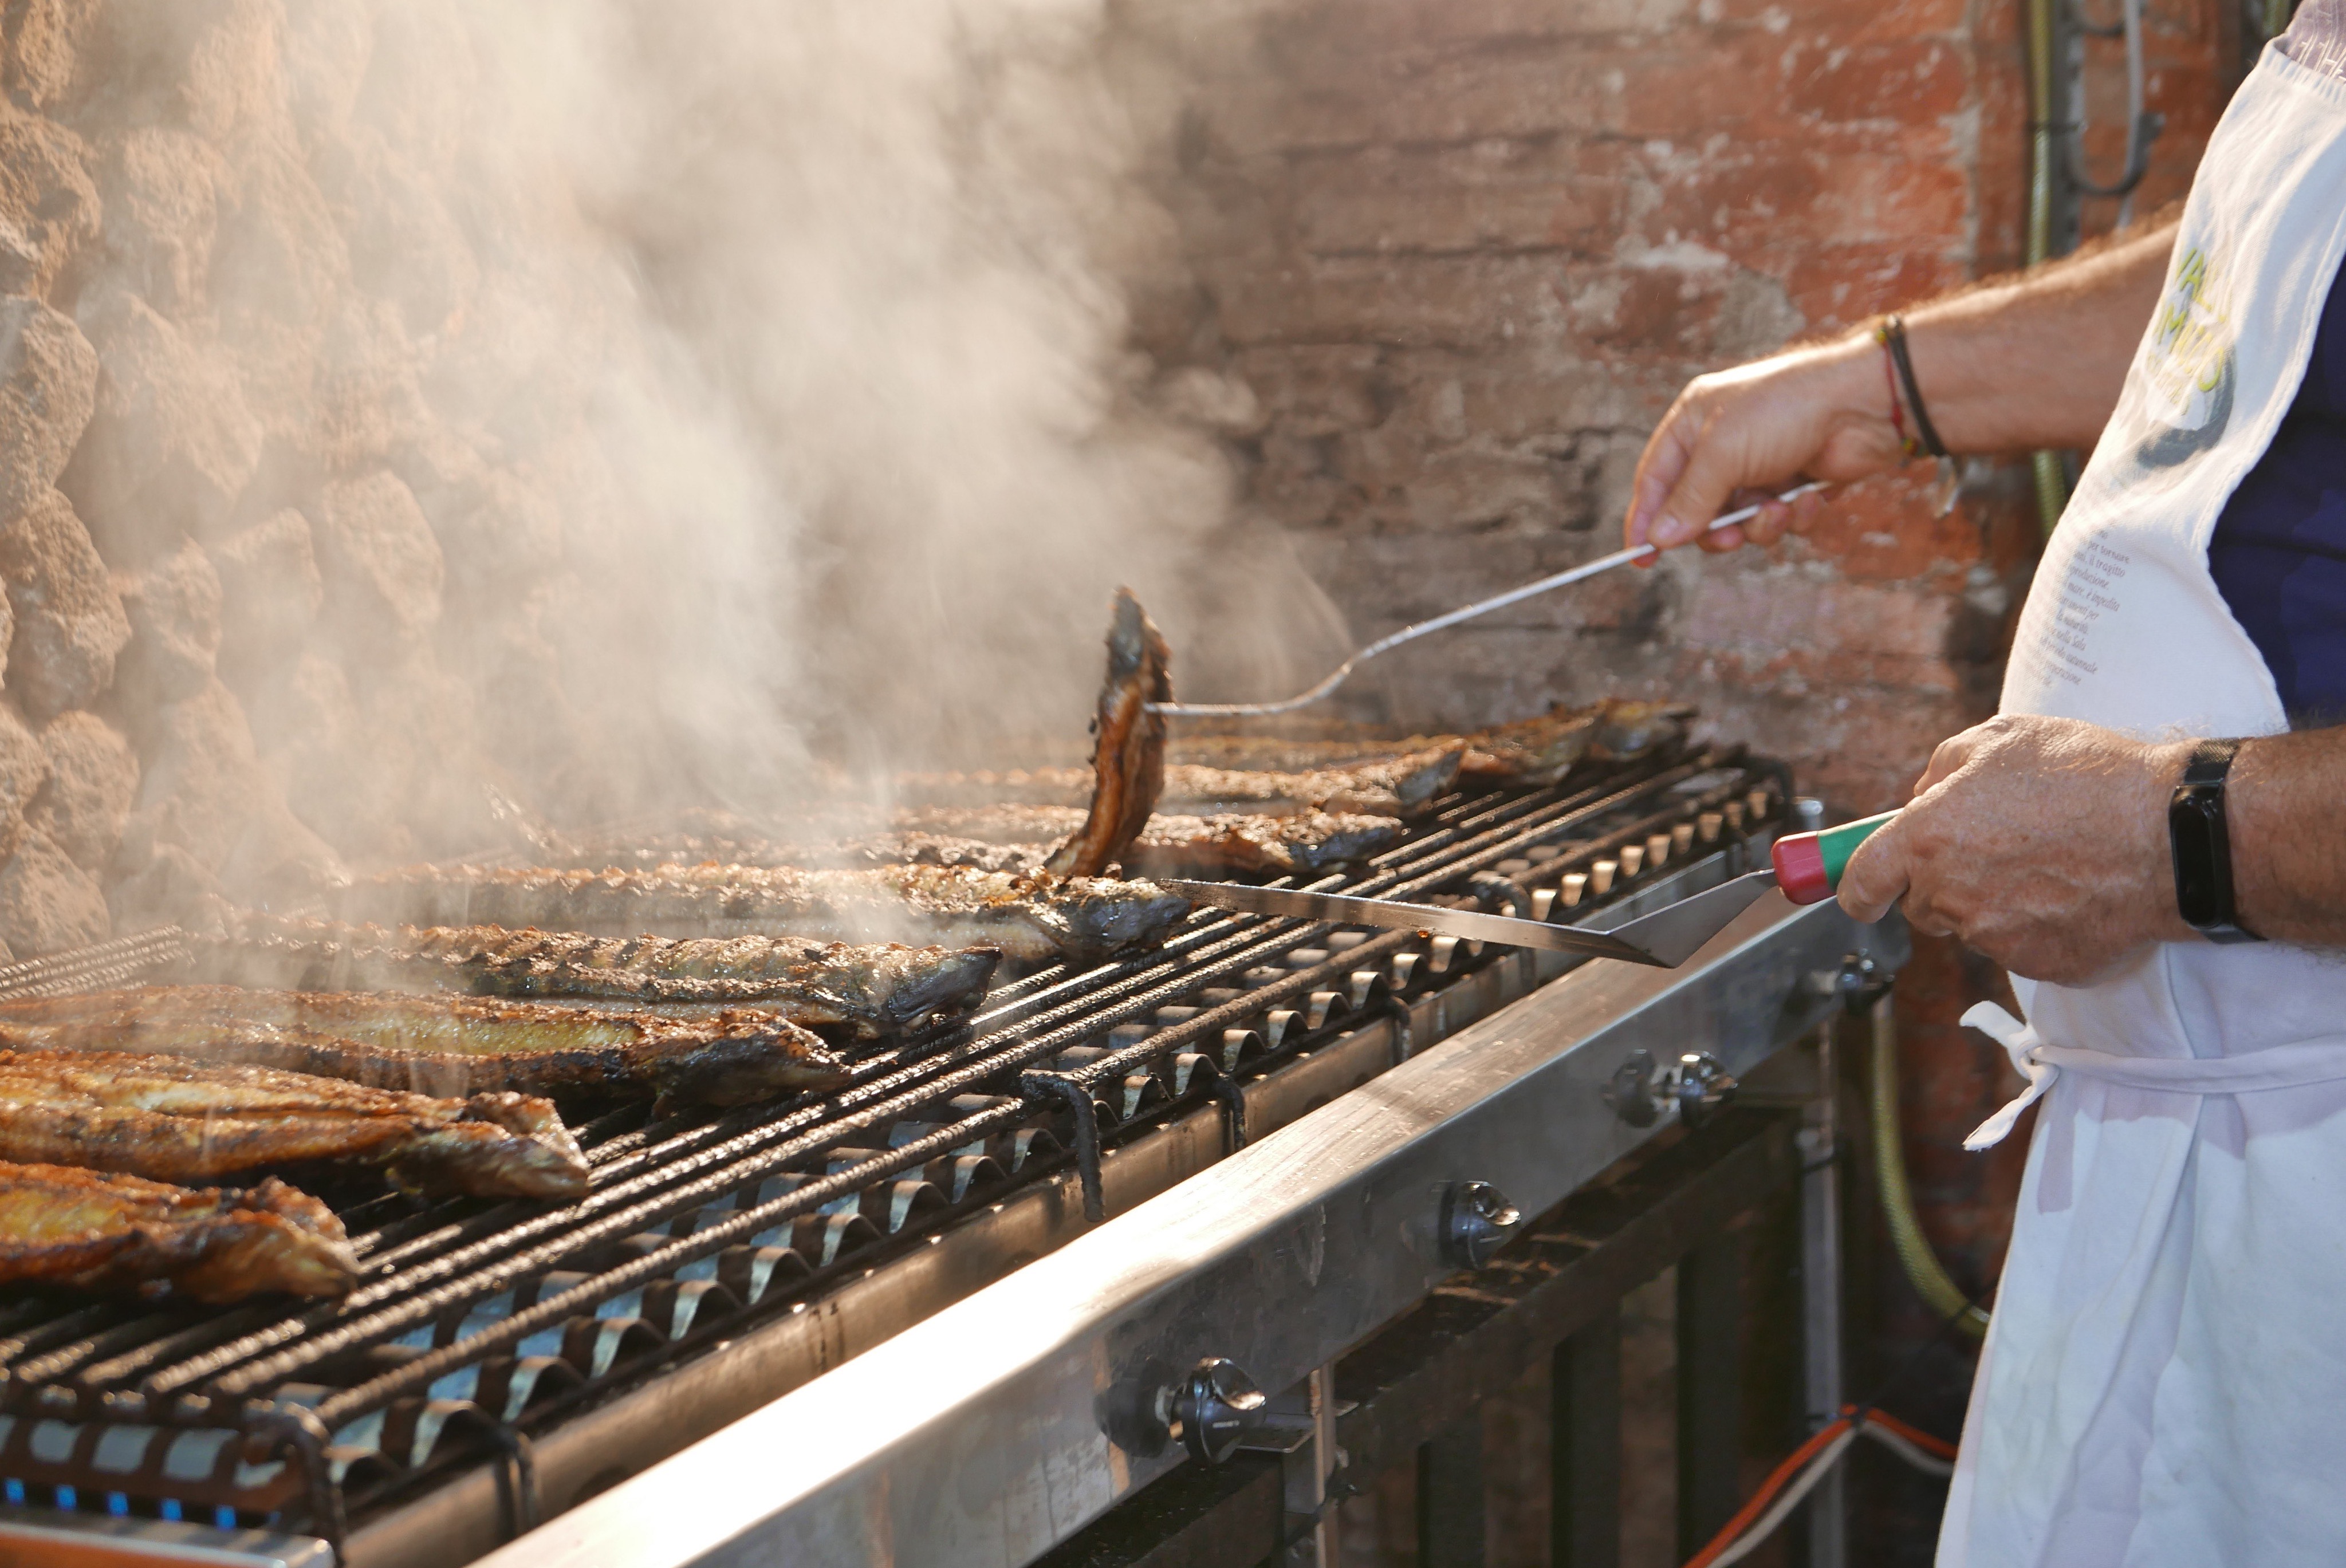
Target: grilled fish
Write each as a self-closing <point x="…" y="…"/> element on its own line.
<point x="172" y="1119"/>
<point x="970" y="854"/>
<point x="1247" y="846"/>
<point x="1405" y="786"/>
<point x="1031" y="919"/>
<point x="1531" y="751"/>
<point x="1127" y="746"/>
<point x="444" y="1045"/>
<point x="1005" y="838"/>
<point x="1542" y="750"/>
<point x="867" y="992"/>
<point x="65" y="1226"/>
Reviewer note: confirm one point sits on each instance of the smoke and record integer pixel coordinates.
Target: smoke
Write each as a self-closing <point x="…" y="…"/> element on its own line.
<point x="877" y="232"/>
<point x="575" y="410"/>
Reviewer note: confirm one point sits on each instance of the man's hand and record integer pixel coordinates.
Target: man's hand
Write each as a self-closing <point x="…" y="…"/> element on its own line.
<point x="2033" y="360"/>
<point x="1736" y="437"/>
<point x="2040" y="842"/>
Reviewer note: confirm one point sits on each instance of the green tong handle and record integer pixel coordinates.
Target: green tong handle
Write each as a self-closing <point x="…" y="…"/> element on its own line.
<point x="1808" y="865"/>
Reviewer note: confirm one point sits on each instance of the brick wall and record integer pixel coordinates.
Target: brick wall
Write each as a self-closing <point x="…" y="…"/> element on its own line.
<point x="1464" y="252"/>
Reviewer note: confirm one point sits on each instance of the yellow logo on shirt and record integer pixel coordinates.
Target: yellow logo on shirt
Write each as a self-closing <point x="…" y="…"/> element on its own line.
<point x="2186" y="371"/>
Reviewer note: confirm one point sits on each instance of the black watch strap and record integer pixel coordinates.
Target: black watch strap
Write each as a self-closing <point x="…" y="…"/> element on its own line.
<point x="2198" y="836"/>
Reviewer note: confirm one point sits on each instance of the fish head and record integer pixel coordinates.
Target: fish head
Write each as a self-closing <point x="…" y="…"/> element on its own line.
<point x="775" y="1058"/>
<point x="912" y="984"/>
<point x="484" y="1157"/>
<point x="1100" y="918"/>
<point x="273" y="1237"/>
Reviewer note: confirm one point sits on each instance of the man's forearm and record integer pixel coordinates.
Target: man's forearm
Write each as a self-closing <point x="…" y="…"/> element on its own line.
<point x="2282" y="809"/>
<point x="2038" y="360"/>
<point x="2034" y="360"/>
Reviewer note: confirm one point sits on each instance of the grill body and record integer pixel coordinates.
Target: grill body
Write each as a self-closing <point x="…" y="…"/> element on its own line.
<point x="816" y="1274"/>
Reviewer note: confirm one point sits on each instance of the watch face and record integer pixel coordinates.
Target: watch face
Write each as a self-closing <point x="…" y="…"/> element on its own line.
<point x="2195" y="821"/>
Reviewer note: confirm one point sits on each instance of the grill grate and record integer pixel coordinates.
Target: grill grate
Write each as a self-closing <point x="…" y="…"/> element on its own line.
<point x="476" y="1321"/>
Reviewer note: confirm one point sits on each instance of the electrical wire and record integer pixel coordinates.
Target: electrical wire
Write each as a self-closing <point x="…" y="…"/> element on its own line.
<point x="1789" y="1483"/>
<point x="1342" y="672"/>
<point x="1813" y="1460"/>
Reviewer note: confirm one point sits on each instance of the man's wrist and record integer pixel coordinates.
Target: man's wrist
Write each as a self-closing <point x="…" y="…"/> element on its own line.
<point x="1851" y="386"/>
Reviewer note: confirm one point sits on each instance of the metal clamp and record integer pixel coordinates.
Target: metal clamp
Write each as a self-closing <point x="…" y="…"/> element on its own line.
<point x="1476" y="1221"/>
<point x="1860" y="982"/>
<point x="1698" y="1084"/>
<point x="1701" y="1086"/>
<point x="1631" y="1090"/>
<point x="1214" y="1408"/>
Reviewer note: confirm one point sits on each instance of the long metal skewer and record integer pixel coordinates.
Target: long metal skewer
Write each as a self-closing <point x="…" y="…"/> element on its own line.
<point x="1466" y="612"/>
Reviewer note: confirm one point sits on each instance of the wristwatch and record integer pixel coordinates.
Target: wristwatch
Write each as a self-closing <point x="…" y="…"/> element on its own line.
<point x="2202" y="847"/>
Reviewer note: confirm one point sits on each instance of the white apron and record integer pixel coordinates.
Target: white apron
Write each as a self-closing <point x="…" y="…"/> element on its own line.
<point x="2164" y="1383"/>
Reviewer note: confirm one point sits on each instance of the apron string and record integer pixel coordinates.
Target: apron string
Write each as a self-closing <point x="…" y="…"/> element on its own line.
<point x="2292" y="1066"/>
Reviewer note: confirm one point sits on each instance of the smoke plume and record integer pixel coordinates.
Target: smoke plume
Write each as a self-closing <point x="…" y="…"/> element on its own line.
<point x="428" y="422"/>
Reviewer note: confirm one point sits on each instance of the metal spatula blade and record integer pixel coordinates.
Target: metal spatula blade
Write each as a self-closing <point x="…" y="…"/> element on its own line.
<point x="1666" y="939"/>
<point x="1807" y="866"/>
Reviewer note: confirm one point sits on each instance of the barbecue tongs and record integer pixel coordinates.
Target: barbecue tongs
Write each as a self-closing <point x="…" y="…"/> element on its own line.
<point x="1807" y="866"/>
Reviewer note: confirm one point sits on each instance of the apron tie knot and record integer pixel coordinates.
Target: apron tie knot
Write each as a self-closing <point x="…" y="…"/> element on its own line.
<point x="2019" y="1041"/>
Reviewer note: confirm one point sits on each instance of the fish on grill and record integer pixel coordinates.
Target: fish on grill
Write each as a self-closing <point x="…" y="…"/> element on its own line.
<point x="1006" y="838"/>
<point x="1127" y="746"/>
<point x="172" y="1119"/>
<point x="1542" y="750"/>
<point x="60" y="1226"/>
<point x="445" y="1045"/>
<point x="1033" y="919"/>
<point x="1405" y="786"/>
<point x="868" y="991"/>
<point x="1250" y="846"/>
<point x="944" y="849"/>
<point x="1527" y="752"/>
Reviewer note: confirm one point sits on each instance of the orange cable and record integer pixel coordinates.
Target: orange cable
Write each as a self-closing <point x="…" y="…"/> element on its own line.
<point x="1778" y="1478"/>
<point x="1939" y="1447"/>
<point x="1798" y="1460"/>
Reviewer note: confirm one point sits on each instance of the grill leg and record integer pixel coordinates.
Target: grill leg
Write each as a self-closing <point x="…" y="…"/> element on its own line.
<point x="1449" y="1496"/>
<point x="1306" y="1485"/>
<point x="1709" y="1381"/>
<point x="1584" y="1486"/>
<point x="1821" y="1304"/>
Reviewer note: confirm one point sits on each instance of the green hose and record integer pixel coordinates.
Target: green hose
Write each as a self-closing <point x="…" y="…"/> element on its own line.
<point x="2052" y="483"/>
<point x="1941" y="1295"/>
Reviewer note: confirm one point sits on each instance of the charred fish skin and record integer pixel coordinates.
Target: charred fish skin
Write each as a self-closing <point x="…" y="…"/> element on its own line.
<point x="1102" y="920"/>
<point x="169" y="1118"/>
<point x="1251" y="846"/>
<point x="542" y="1160"/>
<point x="1128" y="745"/>
<point x="1233" y="844"/>
<point x="868" y="990"/>
<point x="445" y="1045"/>
<point x="1034" y="919"/>
<point x="62" y="1226"/>
<point x="1526" y="752"/>
<point x="1041" y="919"/>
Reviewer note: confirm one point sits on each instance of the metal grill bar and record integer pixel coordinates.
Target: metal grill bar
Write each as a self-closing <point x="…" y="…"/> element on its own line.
<point x="116" y="1362"/>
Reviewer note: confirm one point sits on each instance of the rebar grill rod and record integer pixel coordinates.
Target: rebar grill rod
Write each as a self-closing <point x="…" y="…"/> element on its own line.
<point x="984" y="1058"/>
<point x="444" y="1259"/>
